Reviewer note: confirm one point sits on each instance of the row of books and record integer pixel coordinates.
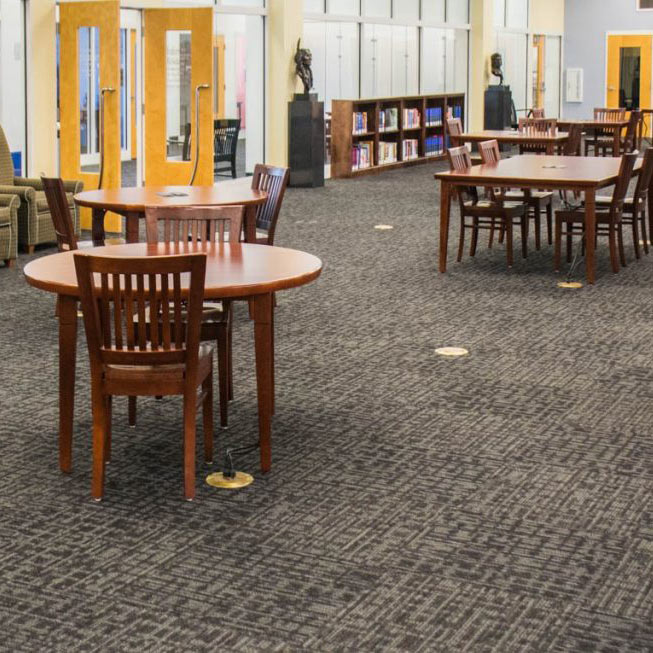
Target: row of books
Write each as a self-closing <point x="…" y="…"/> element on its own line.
<point x="360" y="122"/>
<point x="387" y="152"/>
<point x="389" y="119"/>
<point x="411" y="118"/>
<point x="409" y="149"/>
<point x="362" y="155"/>
<point x="434" y="146"/>
<point x="433" y="116"/>
<point x="456" y="111"/>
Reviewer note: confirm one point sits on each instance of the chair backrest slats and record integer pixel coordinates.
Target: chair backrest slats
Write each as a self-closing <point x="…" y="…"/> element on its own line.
<point x="609" y="114"/>
<point x="573" y="142"/>
<point x="274" y="181"/>
<point x="644" y="180"/>
<point x="112" y="321"/>
<point x="225" y="132"/>
<point x="193" y="223"/>
<point x="538" y="126"/>
<point x="55" y="194"/>
<point x="454" y="126"/>
<point x="631" y="131"/>
<point x="489" y="151"/>
<point x="460" y="159"/>
<point x="621" y="187"/>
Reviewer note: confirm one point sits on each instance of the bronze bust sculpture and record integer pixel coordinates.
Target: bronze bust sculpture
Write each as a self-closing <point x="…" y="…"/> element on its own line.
<point x="496" y="62"/>
<point x="303" y="60"/>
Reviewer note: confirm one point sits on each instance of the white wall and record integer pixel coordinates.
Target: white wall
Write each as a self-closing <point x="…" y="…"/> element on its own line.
<point x="12" y="75"/>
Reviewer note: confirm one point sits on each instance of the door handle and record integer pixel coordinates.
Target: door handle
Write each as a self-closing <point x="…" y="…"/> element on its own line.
<point x="106" y="89"/>
<point x="198" y="88"/>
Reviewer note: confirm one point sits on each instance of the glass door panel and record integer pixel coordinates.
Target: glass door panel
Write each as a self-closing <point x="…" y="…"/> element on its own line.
<point x="89" y="61"/>
<point x="178" y="69"/>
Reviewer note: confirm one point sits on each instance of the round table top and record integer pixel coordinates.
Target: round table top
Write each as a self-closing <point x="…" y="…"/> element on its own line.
<point x="232" y="270"/>
<point x="136" y="199"/>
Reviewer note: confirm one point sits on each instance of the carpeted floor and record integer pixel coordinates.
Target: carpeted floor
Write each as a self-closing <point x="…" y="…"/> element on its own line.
<point x="502" y="501"/>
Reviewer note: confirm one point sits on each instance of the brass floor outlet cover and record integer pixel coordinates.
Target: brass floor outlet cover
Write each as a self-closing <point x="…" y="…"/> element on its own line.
<point x="451" y="351"/>
<point x="383" y="227"/>
<point x="241" y="479"/>
<point x="570" y="284"/>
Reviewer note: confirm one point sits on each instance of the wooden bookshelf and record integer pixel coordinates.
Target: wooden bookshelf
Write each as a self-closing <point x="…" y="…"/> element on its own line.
<point x="343" y="138"/>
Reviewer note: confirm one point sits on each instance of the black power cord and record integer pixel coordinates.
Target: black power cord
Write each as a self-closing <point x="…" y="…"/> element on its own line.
<point x="228" y="470"/>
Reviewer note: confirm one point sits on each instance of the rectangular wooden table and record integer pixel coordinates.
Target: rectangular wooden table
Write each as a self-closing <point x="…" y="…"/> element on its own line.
<point x="585" y="174"/>
<point x="615" y="126"/>
<point x="512" y="137"/>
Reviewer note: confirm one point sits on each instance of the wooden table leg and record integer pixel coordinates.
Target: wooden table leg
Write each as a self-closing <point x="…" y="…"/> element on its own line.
<point x="250" y="223"/>
<point x="590" y="234"/>
<point x="131" y="226"/>
<point x="262" y="309"/>
<point x="97" y="226"/>
<point x="445" y="208"/>
<point x="67" y="312"/>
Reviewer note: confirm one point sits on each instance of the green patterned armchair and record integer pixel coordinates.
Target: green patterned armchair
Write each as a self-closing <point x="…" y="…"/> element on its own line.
<point x="34" y="221"/>
<point x="8" y="228"/>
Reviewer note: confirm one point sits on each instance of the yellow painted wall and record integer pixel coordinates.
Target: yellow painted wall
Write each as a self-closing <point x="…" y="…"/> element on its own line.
<point x="481" y="48"/>
<point x="42" y="89"/>
<point x="285" y="26"/>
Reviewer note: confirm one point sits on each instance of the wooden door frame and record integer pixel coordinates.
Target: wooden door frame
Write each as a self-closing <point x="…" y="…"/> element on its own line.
<point x="220" y="46"/>
<point x="105" y="15"/>
<point x="199" y="21"/>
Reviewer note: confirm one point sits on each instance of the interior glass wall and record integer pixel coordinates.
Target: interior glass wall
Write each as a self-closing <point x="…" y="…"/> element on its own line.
<point x="513" y="49"/>
<point x="239" y="83"/>
<point x="12" y="76"/>
<point x="552" y="50"/>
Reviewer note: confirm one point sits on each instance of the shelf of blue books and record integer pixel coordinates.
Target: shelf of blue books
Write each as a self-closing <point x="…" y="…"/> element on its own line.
<point x="371" y="135"/>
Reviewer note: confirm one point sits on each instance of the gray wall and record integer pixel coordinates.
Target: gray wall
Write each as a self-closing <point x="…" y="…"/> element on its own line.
<point x="586" y="24"/>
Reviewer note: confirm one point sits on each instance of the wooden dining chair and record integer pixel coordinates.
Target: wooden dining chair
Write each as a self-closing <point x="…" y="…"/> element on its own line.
<point x="536" y="127"/>
<point x="454" y="128"/>
<point x="608" y="220"/>
<point x="62" y="220"/>
<point x="536" y="200"/>
<point x="603" y="114"/>
<point x="128" y="358"/>
<point x="202" y="224"/>
<point x="484" y="213"/>
<point x="274" y="180"/>
<point x="635" y="207"/>
<point x="604" y="145"/>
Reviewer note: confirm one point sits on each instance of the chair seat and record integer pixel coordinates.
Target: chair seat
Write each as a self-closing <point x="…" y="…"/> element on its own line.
<point x="605" y="200"/>
<point x="535" y="194"/>
<point x="488" y="204"/>
<point x="42" y="202"/>
<point x="116" y="374"/>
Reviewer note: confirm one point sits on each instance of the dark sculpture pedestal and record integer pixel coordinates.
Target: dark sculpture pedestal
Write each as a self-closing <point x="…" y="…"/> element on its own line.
<point x="498" y="107"/>
<point x="306" y="141"/>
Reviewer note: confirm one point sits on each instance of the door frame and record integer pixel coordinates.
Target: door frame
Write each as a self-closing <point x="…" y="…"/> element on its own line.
<point x="132" y="21"/>
<point x="635" y="32"/>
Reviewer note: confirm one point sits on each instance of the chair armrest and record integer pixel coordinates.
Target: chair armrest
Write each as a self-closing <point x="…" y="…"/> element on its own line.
<point x="73" y="185"/>
<point x="12" y="201"/>
<point x="25" y="193"/>
<point x="33" y="182"/>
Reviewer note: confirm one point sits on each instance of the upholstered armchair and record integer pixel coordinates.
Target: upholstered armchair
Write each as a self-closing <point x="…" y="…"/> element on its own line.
<point x="34" y="221"/>
<point x="8" y="228"/>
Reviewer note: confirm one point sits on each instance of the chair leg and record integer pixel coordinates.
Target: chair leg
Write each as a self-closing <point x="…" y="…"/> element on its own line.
<point x="233" y="167"/>
<point x="524" y="236"/>
<point x="490" y="239"/>
<point x="538" y="225"/>
<point x="569" y="242"/>
<point x="190" y="402"/>
<point x="461" y="240"/>
<point x="99" y="442"/>
<point x="207" y="415"/>
<point x="549" y="222"/>
<point x="508" y="228"/>
<point x="502" y="232"/>
<point x="636" y="236"/>
<point x="474" y="241"/>
<point x="620" y="242"/>
<point x="131" y="411"/>
<point x="557" y="250"/>
<point x="223" y="374"/>
<point x="107" y="430"/>
<point x="612" y="240"/>
<point x="642" y="216"/>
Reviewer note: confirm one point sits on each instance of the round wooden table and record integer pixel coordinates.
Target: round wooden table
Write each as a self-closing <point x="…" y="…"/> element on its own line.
<point x="234" y="271"/>
<point x="131" y="203"/>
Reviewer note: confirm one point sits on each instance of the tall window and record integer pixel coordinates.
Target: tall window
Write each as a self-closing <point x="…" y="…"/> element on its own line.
<point x="12" y="76"/>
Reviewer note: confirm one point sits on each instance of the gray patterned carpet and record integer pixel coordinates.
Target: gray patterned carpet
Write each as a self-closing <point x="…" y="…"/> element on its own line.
<point x="502" y="501"/>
